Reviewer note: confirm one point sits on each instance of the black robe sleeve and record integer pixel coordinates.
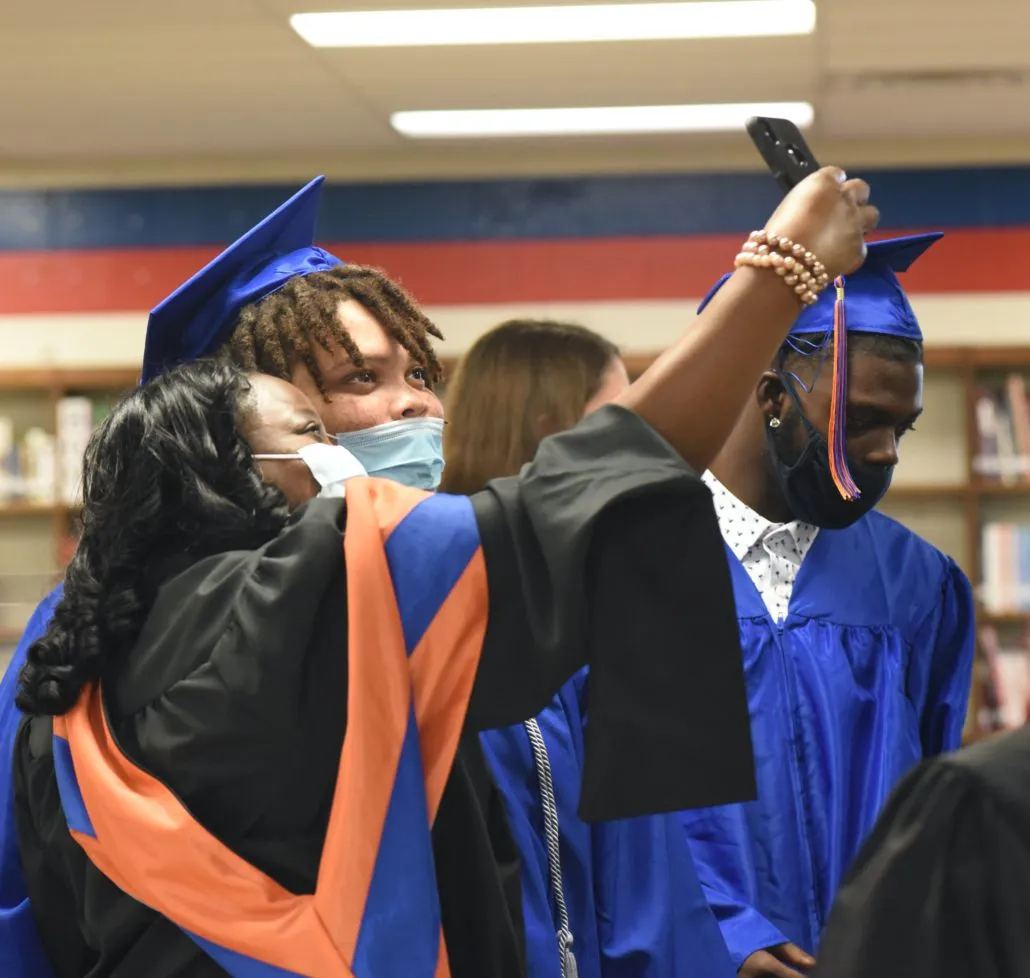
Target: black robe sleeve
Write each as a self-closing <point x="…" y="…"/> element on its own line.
<point x="941" y="888"/>
<point x="606" y="551"/>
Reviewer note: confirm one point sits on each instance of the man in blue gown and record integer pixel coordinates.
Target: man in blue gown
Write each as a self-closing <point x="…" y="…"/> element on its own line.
<point x="858" y="635"/>
<point x="634" y="904"/>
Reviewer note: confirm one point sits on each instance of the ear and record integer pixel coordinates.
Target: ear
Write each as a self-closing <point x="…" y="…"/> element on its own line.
<point x="771" y="395"/>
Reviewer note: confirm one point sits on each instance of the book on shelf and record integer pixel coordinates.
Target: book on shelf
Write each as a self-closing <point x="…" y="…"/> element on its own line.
<point x="1005" y="588"/>
<point x="28" y="467"/>
<point x="43" y="468"/>
<point x="1003" y="433"/>
<point x="1004" y="682"/>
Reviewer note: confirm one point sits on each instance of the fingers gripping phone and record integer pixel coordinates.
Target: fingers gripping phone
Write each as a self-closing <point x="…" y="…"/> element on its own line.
<point x="784" y="150"/>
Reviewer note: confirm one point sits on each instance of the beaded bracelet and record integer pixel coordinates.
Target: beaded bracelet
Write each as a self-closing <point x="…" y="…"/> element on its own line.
<point x="798" y="268"/>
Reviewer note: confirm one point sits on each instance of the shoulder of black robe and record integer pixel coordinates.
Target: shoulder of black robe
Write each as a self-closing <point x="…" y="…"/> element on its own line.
<point x="942" y="886"/>
<point x="613" y="543"/>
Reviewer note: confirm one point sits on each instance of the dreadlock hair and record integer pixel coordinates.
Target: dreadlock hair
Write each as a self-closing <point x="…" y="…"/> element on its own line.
<point x="167" y="473"/>
<point x="272" y="334"/>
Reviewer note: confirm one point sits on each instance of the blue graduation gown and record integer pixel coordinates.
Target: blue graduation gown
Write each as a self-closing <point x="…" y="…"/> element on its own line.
<point x="21" y="952"/>
<point x="635" y="906"/>
<point x="868" y="674"/>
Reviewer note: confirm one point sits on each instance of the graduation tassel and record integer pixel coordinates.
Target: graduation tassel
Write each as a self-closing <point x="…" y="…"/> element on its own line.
<point x="839" y="470"/>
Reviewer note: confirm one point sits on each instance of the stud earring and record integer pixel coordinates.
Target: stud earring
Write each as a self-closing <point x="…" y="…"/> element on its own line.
<point x="774" y="422"/>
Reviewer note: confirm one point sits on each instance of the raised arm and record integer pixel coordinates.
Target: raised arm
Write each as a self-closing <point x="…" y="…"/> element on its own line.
<point x="611" y="542"/>
<point x="694" y="393"/>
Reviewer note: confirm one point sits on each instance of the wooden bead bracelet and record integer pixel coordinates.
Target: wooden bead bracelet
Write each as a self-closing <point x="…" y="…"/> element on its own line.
<point x="799" y="269"/>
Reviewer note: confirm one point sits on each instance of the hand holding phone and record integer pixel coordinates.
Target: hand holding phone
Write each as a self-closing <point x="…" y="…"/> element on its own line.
<point x="784" y="150"/>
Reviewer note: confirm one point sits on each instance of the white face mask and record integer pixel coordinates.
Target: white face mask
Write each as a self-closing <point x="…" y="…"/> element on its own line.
<point x="331" y="466"/>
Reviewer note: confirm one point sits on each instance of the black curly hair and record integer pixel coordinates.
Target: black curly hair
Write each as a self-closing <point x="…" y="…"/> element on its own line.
<point x="167" y="473"/>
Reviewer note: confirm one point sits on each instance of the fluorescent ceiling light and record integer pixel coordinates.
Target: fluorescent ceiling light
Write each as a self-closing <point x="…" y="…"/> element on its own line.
<point x="549" y="25"/>
<point x="621" y="120"/>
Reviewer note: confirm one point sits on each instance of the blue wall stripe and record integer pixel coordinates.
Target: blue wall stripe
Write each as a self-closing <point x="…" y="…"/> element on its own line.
<point x="587" y="207"/>
<point x="427" y="552"/>
<point x="75" y="813"/>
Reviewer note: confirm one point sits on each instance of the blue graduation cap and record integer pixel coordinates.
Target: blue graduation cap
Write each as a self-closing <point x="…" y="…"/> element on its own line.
<point x="869" y="300"/>
<point x="876" y="301"/>
<point x="197" y="317"/>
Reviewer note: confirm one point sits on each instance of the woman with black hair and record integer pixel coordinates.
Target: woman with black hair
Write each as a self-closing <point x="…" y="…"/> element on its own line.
<point x="185" y="807"/>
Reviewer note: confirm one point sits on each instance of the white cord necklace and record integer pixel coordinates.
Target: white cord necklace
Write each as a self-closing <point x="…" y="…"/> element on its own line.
<point x="543" y="772"/>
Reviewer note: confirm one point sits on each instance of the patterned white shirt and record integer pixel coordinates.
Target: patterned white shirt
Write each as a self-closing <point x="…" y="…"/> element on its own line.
<point x="771" y="553"/>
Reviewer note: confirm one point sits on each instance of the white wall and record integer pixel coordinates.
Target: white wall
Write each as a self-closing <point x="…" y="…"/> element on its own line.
<point x="116" y="339"/>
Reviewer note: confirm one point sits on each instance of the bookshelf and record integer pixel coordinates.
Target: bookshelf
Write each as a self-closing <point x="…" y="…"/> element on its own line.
<point x="37" y="534"/>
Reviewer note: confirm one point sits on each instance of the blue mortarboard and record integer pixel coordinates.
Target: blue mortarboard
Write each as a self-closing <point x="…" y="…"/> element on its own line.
<point x="870" y="300"/>
<point x="876" y="301"/>
<point x="197" y="317"/>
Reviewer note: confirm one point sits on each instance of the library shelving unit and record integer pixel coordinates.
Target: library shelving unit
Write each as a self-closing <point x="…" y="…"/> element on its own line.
<point x="35" y="537"/>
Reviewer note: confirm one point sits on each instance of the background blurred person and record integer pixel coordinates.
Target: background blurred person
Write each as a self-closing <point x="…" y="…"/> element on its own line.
<point x="623" y="897"/>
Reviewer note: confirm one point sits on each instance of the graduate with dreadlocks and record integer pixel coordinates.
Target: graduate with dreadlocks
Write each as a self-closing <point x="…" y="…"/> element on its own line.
<point x="272" y="302"/>
<point x="857" y="634"/>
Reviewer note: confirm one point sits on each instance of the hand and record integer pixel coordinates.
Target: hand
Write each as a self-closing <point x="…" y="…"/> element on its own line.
<point x="830" y="215"/>
<point x="782" y="961"/>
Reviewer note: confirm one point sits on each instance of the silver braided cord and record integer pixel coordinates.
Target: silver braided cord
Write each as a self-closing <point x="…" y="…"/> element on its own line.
<point x="550" y="807"/>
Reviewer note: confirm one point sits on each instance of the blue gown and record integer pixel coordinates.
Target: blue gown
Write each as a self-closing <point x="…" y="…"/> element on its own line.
<point x="635" y="906"/>
<point x="868" y="674"/>
<point x="21" y="952"/>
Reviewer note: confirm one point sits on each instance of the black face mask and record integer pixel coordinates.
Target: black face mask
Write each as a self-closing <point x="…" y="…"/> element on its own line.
<point x="807" y="484"/>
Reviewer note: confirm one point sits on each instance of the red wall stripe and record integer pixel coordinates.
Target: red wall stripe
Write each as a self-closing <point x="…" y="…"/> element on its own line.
<point x="996" y="260"/>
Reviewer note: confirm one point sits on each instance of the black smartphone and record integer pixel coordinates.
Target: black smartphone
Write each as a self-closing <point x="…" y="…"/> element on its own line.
<point x="784" y="150"/>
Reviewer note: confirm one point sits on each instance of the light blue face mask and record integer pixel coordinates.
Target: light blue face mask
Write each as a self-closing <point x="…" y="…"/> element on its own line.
<point x="409" y="451"/>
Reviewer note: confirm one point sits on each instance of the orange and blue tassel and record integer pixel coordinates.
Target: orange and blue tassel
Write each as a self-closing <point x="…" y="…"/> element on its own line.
<point x="837" y="435"/>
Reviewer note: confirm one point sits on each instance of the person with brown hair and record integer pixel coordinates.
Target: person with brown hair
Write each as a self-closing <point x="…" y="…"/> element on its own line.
<point x="522" y="381"/>
<point x="621" y="898"/>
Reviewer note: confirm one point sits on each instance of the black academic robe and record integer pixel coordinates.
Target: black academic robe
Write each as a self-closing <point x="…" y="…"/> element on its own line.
<point x="605" y="551"/>
<point x="942" y="887"/>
